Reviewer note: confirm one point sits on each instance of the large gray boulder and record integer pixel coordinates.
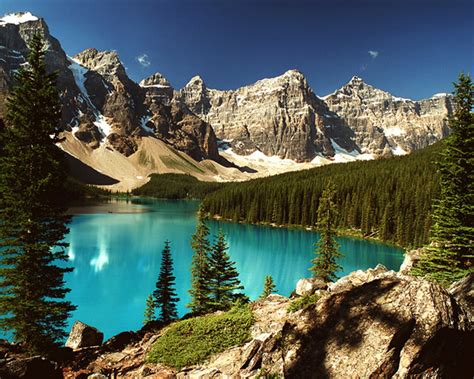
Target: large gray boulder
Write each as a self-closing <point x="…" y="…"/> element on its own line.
<point x="83" y="335"/>
<point x="308" y="286"/>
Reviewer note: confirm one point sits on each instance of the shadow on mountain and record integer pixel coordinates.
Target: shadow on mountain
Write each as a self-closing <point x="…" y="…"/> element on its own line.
<point x="86" y="174"/>
<point x="226" y="163"/>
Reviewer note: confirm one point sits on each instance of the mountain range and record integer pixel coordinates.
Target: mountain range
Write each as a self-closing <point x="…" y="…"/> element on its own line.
<point x="126" y="131"/>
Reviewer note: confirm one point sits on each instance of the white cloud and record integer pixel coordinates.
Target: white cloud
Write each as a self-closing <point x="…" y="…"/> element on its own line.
<point x="143" y="60"/>
<point x="374" y="54"/>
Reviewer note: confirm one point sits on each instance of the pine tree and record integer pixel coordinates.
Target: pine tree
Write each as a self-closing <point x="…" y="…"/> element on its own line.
<point x="450" y="255"/>
<point x="269" y="287"/>
<point x="165" y="293"/>
<point x="325" y="265"/>
<point x="149" y="310"/>
<point x="224" y="278"/>
<point x="33" y="226"/>
<point x="200" y="302"/>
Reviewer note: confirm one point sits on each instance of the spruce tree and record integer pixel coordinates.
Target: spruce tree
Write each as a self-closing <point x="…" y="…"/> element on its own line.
<point x="165" y="293"/>
<point x="327" y="252"/>
<point x="200" y="302"/>
<point x="268" y="288"/>
<point x="224" y="278"/>
<point x="450" y="255"/>
<point x="149" y="314"/>
<point x="33" y="221"/>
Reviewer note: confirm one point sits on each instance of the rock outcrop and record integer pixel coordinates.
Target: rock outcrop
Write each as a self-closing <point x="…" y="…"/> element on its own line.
<point x="373" y="323"/>
<point x="83" y="335"/>
<point x="384" y="124"/>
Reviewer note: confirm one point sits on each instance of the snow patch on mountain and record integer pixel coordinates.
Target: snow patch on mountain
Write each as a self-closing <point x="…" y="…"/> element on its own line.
<point x="342" y="155"/>
<point x="79" y="72"/>
<point x="143" y="123"/>
<point x="17" y="18"/>
<point x="394" y="131"/>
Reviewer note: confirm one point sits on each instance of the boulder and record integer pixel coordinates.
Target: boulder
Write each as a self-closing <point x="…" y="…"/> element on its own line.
<point x="119" y="341"/>
<point x="83" y="335"/>
<point x="391" y="325"/>
<point x="376" y="323"/>
<point x="308" y="286"/>
<point x="31" y="368"/>
<point x="463" y="292"/>
<point x="411" y="257"/>
<point x="357" y="278"/>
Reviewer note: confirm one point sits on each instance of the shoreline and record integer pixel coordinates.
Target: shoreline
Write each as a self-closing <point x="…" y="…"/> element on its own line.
<point x="352" y="233"/>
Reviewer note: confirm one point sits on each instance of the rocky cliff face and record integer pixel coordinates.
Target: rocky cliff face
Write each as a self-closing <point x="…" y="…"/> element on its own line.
<point x="278" y="116"/>
<point x="101" y="105"/>
<point x="384" y="124"/>
<point x="282" y="116"/>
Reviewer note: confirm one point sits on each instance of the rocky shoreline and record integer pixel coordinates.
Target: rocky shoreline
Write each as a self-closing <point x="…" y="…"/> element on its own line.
<point x="373" y="323"/>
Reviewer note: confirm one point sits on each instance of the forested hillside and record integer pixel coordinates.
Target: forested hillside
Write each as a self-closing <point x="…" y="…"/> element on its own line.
<point x="387" y="198"/>
<point x="176" y="186"/>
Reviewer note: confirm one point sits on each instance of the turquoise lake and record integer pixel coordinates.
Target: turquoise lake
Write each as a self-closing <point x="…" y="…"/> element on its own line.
<point x="115" y="250"/>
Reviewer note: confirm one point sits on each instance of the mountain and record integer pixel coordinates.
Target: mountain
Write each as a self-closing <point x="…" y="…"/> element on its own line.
<point x="127" y="130"/>
<point x="279" y="116"/>
<point x="384" y="124"/>
<point x="283" y="117"/>
<point x="110" y="122"/>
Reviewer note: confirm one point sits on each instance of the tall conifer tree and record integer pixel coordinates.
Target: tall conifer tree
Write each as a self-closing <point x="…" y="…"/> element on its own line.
<point x="165" y="293"/>
<point x="325" y="263"/>
<point x="200" y="275"/>
<point x="33" y="221"/>
<point x="224" y="278"/>
<point x="450" y="255"/>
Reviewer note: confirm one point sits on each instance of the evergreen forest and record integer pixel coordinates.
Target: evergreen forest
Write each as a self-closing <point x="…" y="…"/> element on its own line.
<point x="389" y="199"/>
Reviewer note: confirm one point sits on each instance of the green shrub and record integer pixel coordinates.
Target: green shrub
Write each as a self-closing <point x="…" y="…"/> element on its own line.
<point x="192" y="341"/>
<point x="302" y="302"/>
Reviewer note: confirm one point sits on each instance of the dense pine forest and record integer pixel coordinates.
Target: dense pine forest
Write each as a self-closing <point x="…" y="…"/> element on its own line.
<point x="176" y="186"/>
<point x="389" y="199"/>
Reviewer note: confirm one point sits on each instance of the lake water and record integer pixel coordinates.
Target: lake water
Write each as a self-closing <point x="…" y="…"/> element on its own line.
<point x="116" y="253"/>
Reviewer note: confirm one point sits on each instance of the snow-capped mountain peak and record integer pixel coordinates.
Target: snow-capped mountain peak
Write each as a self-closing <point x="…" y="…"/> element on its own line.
<point x="17" y="18"/>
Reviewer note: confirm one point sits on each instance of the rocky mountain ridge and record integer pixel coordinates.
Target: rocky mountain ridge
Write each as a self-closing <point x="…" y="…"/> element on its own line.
<point x="101" y="104"/>
<point x="274" y="125"/>
<point x="384" y="124"/>
<point x="282" y="116"/>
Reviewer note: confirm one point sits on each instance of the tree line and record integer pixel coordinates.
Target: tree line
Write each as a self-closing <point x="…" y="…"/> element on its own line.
<point x="386" y="198"/>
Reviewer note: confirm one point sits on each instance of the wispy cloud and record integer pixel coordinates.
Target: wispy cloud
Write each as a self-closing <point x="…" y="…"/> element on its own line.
<point x="374" y="54"/>
<point x="144" y="60"/>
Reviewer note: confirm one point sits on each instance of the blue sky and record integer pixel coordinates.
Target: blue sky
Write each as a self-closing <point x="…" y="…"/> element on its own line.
<point x="411" y="48"/>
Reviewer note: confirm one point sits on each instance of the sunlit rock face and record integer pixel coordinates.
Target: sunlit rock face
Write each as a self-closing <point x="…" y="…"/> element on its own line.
<point x="384" y="124"/>
<point x="281" y="116"/>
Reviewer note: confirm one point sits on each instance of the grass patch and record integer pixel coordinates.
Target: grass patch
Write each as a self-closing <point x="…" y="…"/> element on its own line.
<point x="302" y="302"/>
<point x="192" y="341"/>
